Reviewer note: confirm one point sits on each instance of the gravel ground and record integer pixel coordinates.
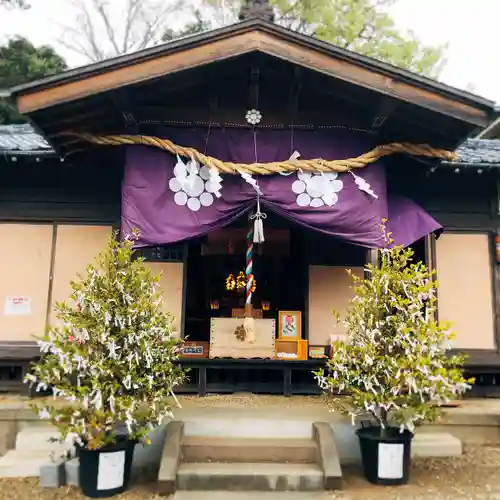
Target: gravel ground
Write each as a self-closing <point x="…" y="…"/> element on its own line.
<point x="210" y="401"/>
<point x="474" y="475"/>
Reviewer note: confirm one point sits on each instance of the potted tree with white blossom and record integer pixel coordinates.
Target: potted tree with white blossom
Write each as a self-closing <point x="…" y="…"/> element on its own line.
<point x="393" y="365"/>
<point x="112" y="361"/>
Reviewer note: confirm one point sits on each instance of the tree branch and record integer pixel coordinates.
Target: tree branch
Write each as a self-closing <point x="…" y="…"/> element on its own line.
<point x="132" y="12"/>
<point x="101" y="10"/>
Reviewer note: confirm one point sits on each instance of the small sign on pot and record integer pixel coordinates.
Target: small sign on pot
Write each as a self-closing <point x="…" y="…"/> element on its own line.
<point x="111" y="474"/>
<point x="390" y="460"/>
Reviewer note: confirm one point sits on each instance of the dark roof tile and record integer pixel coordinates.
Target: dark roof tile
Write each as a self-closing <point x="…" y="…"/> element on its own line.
<point x="480" y="152"/>
<point x="22" y="139"/>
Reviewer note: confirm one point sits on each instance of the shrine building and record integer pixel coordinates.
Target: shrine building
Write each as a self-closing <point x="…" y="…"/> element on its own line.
<point x="257" y="164"/>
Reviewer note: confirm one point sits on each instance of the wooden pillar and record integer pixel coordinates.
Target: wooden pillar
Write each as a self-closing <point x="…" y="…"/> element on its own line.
<point x="431" y="263"/>
<point x="372" y="257"/>
<point x="430" y="251"/>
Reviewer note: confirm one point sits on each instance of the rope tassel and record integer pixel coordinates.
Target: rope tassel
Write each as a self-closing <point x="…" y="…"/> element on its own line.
<point x="258" y="230"/>
<point x="258" y="224"/>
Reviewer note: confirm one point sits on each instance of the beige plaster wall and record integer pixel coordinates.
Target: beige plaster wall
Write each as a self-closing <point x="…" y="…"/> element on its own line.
<point x="25" y="256"/>
<point x="76" y="247"/>
<point x="171" y="280"/>
<point x="329" y="288"/>
<point x="465" y="295"/>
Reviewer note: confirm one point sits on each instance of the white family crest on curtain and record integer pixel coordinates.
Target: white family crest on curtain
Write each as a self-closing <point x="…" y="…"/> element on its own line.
<point x="193" y="185"/>
<point x="315" y="190"/>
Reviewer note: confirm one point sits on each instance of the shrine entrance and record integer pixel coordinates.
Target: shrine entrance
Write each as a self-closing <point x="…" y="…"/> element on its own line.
<point x="216" y="284"/>
<point x="285" y="287"/>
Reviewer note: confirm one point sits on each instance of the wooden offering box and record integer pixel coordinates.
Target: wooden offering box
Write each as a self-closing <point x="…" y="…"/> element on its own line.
<point x="291" y="349"/>
<point x="225" y="344"/>
<point x="240" y="313"/>
<point x="319" y="351"/>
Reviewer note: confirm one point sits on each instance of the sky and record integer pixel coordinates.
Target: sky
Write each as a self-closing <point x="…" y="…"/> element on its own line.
<point x="470" y="28"/>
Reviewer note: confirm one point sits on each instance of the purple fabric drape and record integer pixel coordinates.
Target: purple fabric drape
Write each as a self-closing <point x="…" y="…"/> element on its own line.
<point x="150" y="204"/>
<point x="408" y="222"/>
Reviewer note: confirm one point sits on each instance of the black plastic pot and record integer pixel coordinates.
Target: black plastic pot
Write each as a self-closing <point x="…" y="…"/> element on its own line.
<point x="385" y="455"/>
<point x="106" y="472"/>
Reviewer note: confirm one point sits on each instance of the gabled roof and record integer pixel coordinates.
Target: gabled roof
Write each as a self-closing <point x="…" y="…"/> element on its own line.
<point x="255" y="35"/>
<point x="17" y="140"/>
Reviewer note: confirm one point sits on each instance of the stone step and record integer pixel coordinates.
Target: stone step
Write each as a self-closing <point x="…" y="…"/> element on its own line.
<point x="436" y="444"/>
<point x="23" y="463"/>
<point x="251" y="495"/>
<point x="214" y="449"/>
<point x="37" y="438"/>
<point x="249" y="477"/>
<point x="241" y="427"/>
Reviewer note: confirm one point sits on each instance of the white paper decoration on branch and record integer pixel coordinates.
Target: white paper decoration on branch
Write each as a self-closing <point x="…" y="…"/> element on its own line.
<point x="363" y="185"/>
<point x="214" y="183"/>
<point x="252" y="181"/>
<point x="193" y="185"/>
<point x="315" y="190"/>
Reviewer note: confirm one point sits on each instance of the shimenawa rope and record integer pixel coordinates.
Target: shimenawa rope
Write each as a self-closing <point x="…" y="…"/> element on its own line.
<point x="315" y="165"/>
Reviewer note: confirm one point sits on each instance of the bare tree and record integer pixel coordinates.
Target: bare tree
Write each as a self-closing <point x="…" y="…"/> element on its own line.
<point x="107" y="28"/>
<point x="20" y="4"/>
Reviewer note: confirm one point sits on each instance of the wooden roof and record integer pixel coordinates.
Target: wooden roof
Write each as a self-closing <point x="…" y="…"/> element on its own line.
<point x="128" y="84"/>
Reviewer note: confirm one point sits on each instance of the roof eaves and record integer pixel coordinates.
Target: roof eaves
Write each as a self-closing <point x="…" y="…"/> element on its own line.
<point x="469" y="164"/>
<point x="245" y="26"/>
<point x="35" y="152"/>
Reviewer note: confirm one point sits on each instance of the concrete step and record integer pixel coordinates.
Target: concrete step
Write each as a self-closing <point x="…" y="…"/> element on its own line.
<point x="37" y="438"/>
<point x="238" y="450"/>
<point x="251" y="495"/>
<point x="244" y="427"/>
<point x="249" y="477"/>
<point x="436" y="444"/>
<point x="23" y="463"/>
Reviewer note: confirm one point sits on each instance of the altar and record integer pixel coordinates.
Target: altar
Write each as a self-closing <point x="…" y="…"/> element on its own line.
<point x="228" y="339"/>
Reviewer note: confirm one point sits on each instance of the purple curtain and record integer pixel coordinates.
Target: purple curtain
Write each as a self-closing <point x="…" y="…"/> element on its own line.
<point x="408" y="222"/>
<point x="165" y="211"/>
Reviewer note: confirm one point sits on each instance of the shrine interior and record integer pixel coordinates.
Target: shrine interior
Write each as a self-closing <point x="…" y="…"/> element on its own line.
<point x="281" y="268"/>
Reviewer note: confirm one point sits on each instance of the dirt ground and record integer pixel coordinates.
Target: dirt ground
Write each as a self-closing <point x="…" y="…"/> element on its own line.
<point x="474" y="475"/>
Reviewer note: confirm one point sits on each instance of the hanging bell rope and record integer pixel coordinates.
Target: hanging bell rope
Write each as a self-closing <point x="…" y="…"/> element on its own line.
<point x="277" y="167"/>
<point x="249" y="322"/>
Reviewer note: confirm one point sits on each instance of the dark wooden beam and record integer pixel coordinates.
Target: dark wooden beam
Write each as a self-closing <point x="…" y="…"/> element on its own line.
<point x="124" y="105"/>
<point x="294" y="92"/>
<point x="160" y="89"/>
<point x="84" y="147"/>
<point x="329" y="115"/>
<point x="384" y="110"/>
<point x="253" y="98"/>
<point x="214" y="106"/>
<point x="404" y="127"/>
<point x="68" y="120"/>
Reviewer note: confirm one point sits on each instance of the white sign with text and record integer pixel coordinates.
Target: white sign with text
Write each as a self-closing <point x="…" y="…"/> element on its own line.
<point x="111" y="474"/>
<point x="16" y="305"/>
<point x="390" y="461"/>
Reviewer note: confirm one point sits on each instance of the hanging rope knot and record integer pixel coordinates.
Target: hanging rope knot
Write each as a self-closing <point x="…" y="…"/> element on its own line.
<point x="258" y="225"/>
